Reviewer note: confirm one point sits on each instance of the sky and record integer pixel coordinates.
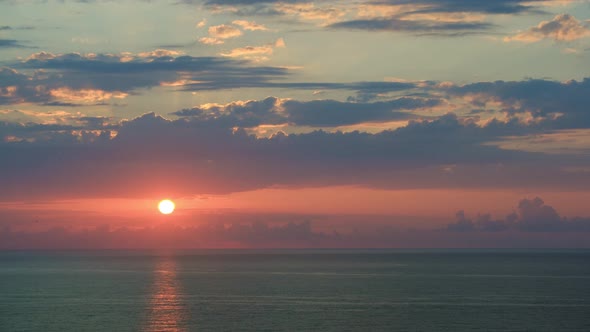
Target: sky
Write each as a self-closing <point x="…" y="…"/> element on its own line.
<point x="386" y="123"/>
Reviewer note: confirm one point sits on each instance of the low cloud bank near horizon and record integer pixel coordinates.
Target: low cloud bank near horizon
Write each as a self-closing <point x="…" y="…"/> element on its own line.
<point x="532" y="215"/>
<point x="534" y="224"/>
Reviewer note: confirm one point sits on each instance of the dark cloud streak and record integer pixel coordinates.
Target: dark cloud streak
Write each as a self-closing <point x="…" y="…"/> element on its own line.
<point x="417" y="27"/>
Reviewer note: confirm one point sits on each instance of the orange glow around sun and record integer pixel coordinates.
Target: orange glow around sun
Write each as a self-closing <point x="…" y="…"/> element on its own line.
<point x="166" y="206"/>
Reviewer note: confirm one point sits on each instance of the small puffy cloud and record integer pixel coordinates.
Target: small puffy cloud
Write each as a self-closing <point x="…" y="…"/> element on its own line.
<point x="201" y="23"/>
<point x="210" y="41"/>
<point x="218" y="33"/>
<point x="250" y="25"/>
<point x="255" y="53"/>
<point x="224" y="31"/>
<point x="563" y="27"/>
<point x="280" y="43"/>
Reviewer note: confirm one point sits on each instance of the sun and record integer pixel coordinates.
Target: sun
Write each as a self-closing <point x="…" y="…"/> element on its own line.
<point x="166" y="206"/>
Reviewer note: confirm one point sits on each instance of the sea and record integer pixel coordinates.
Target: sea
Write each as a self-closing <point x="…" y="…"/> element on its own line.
<point x="295" y="290"/>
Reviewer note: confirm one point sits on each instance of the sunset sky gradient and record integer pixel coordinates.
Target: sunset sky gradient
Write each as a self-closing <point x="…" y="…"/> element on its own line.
<point x="394" y="123"/>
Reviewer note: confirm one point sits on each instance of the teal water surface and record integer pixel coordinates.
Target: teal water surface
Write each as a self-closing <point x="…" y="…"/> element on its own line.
<point x="295" y="290"/>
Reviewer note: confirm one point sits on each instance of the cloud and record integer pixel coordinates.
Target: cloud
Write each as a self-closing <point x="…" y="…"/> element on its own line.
<point x="85" y="95"/>
<point x="255" y="53"/>
<point x="127" y="73"/>
<point x="417" y="27"/>
<point x="159" y="53"/>
<point x="219" y="235"/>
<point x="209" y="157"/>
<point x="301" y="10"/>
<point x="532" y="215"/>
<point x="21" y="119"/>
<point x="317" y="113"/>
<point x="211" y="41"/>
<point x="250" y="25"/>
<point x="477" y="6"/>
<point x="54" y="128"/>
<point x="373" y="87"/>
<point x="260" y="231"/>
<point x="250" y="52"/>
<point x="11" y="43"/>
<point x="218" y="34"/>
<point x="121" y="74"/>
<point x="224" y="31"/>
<point x="311" y="12"/>
<point x="563" y="27"/>
<point x="421" y="17"/>
<point x="280" y="43"/>
<point x="553" y="104"/>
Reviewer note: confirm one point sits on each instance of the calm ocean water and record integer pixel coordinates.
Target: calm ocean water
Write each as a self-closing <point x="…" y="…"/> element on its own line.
<point x="295" y="291"/>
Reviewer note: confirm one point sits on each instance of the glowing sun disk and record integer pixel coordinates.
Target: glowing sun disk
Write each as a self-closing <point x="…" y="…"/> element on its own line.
<point x="166" y="206"/>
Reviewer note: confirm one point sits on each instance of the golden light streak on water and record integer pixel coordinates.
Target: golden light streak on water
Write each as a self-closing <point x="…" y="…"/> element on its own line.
<point x="166" y="310"/>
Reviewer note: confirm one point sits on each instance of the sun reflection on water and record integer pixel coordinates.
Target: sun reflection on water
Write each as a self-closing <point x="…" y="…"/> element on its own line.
<point x="166" y="310"/>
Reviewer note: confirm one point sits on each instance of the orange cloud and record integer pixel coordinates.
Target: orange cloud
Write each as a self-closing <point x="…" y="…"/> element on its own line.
<point x="224" y="31"/>
<point x="255" y="53"/>
<point x="85" y="95"/>
<point x="249" y="51"/>
<point x="218" y="33"/>
<point x="563" y="27"/>
<point x="308" y="11"/>
<point x="251" y="26"/>
<point x="211" y="41"/>
<point x="159" y="53"/>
